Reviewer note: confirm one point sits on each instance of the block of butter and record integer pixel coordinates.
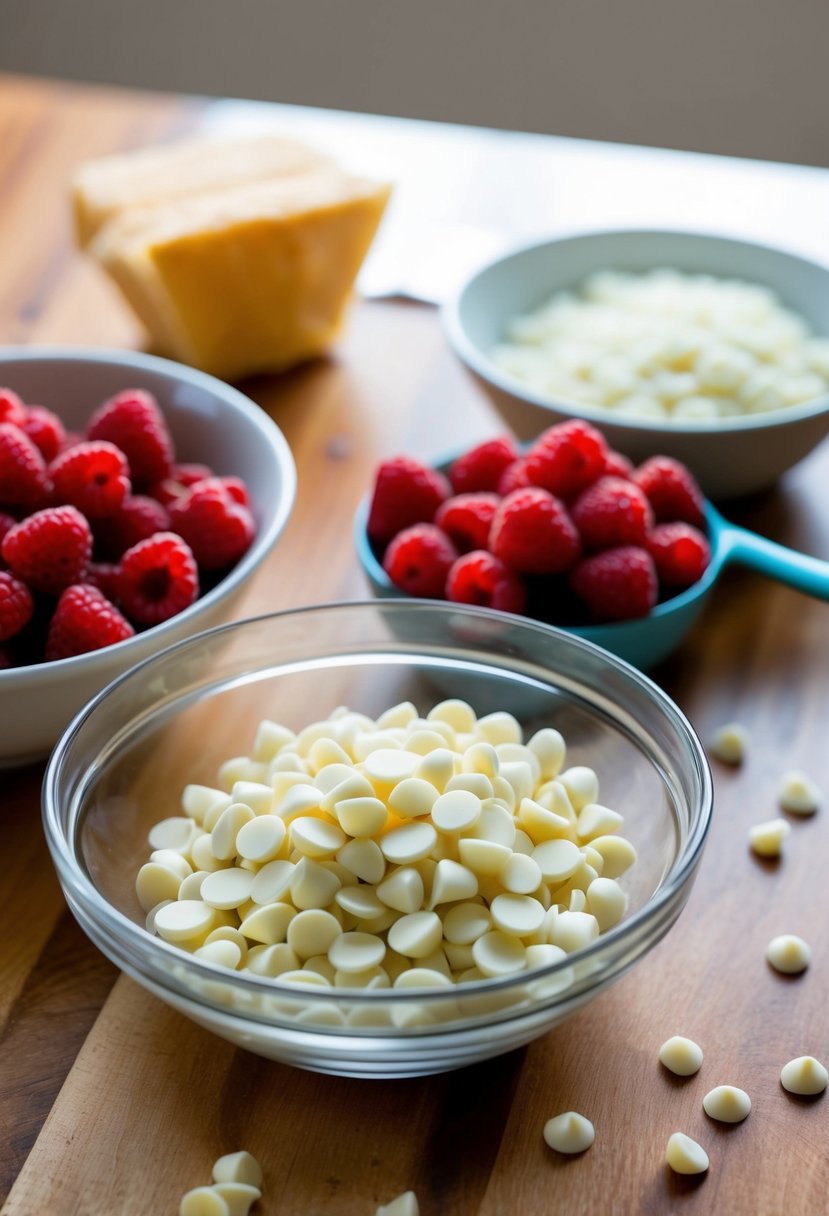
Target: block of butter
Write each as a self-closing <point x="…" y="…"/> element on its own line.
<point x="238" y="255"/>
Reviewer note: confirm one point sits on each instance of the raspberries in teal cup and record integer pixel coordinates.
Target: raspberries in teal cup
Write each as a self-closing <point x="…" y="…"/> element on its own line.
<point x="566" y="531"/>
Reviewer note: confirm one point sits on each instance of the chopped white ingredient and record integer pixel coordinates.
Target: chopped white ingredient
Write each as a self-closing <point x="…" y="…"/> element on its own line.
<point x="666" y="345"/>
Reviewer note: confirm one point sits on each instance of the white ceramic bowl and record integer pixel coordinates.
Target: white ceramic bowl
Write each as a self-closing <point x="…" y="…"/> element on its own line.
<point x="211" y="423"/>
<point x="732" y="457"/>
<point x="174" y="719"/>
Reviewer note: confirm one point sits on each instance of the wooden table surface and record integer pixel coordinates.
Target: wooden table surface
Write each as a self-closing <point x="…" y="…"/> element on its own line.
<point x="111" y="1104"/>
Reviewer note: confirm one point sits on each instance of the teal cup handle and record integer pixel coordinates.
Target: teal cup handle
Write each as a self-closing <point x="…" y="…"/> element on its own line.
<point x="734" y="544"/>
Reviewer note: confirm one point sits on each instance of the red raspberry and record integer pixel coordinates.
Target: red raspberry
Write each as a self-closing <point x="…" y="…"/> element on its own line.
<point x="16" y="605"/>
<point x="7" y="522"/>
<point x="672" y="491"/>
<point x="680" y="553"/>
<point x="137" y="518"/>
<point x="481" y="578"/>
<point x="24" y="481"/>
<point x="159" y="579"/>
<point x="419" y="559"/>
<point x="182" y="477"/>
<point x="84" y="620"/>
<point x="49" y="550"/>
<point x="406" y="492"/>
<point x="12" y="408"/>
<point x="567" y="458"/>
<point x="617" y="585"/>
<point x="106" y="576"/>
<point x="481" y="467"/>
<point x="45" y="430"/>
<point x="134" y="423"/>
<point x="533" y="533"/>
<point x="93" y="476"/>
<point x="612" y="512"/>
<point x="218" y="529"/>
<point x="514" y="477"/>
<point x="617" y="465"/>
<point x="466" y="519"/>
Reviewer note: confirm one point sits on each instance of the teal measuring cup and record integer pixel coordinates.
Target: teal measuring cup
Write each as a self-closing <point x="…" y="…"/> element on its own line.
<point x="646" y="641"/>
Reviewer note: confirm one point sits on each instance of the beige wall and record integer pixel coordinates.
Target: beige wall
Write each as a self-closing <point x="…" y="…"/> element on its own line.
<point x="743" y="77"/>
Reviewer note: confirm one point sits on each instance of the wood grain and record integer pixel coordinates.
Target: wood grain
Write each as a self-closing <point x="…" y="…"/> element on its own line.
<point x="113" y="1105"/>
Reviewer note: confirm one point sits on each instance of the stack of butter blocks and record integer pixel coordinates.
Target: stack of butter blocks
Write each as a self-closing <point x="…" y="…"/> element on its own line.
<point x="238" y="253"/>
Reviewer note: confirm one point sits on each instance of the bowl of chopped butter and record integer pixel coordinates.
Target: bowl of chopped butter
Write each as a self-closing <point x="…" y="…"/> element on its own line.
<point x="712" y="350"/>
<point x="318" y="835"/>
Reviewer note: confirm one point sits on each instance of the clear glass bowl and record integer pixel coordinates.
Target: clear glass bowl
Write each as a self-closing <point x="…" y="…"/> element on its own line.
<point x="175" y="718"/>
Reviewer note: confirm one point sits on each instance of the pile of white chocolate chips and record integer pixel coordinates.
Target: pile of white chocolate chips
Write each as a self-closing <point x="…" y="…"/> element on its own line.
<point x="402" y="852"/>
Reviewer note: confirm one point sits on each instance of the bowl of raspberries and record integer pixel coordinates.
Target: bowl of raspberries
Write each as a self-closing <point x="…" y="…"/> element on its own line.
<point x="564" y="530"/>
<point x="137" y="497"/>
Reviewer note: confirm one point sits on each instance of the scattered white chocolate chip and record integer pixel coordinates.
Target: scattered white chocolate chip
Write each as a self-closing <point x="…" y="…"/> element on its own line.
<point x="805" y="1076"/>
<point x="569" y="1133"/>
<point x="239" y="1196"/>
<point x="727" y="1104"/>
<point x="404" y="1205"/>
<point x="799" y="794"/>
<point x="203" y="1201"/>
<point x="238" y="1167"/>
<point x="789" y="954"/>
<point x="237" y="1179"/>
<point x="730" y="743"/>
<point x="681" y="1056"/>
<point x="685" y="1156"/>
<point x="766" y="839"/>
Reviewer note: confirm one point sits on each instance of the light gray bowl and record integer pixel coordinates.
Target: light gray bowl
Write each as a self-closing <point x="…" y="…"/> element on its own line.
<point x="732" y="457"/>
<point x="211" y="423"/>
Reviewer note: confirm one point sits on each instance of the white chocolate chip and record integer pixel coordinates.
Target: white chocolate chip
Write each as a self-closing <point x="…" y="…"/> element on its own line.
<point x="203" y="1201"/>
<point x="681" y="1056"/>
<point x="239" y="1196"/>
<point x="766" y="839"/>
<point x="451" y="882"/>
<point x="409" y="843"/>
<point x="238" y="1167"/>
<point x="557" y="859"/>
<point x="727" y="1104"/>
<point x="417" y="934"/>
<point x="799" y="794"/>
<point x="788" y="954"/>
<point x="356" y="951"/>
<point x="227" y="888"/>
<point x="569" y="1133"/>
<point x="184" y="920"/>
<point x="805" y="1076"/>
<point x="404" y="1205"/>
<point x="518" y="915"/>
<point x="456" y="811"/>
<point x="730" y="743"/>
<point x="498" y="954"/>
<point x="685" y="1156"/>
